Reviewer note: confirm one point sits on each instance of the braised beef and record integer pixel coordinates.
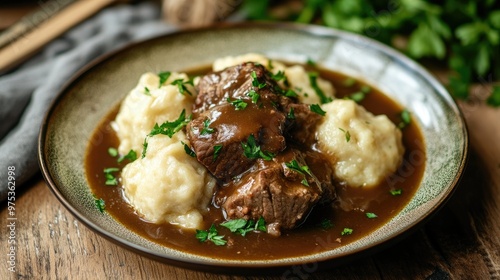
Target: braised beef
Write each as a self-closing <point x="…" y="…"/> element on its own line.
<point x="269" y="182"/>
<point x="276" y="191"/>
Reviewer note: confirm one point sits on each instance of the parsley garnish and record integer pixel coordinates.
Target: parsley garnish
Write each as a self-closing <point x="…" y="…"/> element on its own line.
<point x="405" y="119"/>
<point x="99" y="203"/>
<point x="346" y="133"/>
<point x="357" y="97"/>
<point x="255" y="81"/>
<point x="396" y="192"/>
<point x="242" y="226"/>
<point x="110" y="178"/>
<point x="163" y="77"/>
<point x="291" y="93"/>
<point x="181" y="86"/>
<point x="326" y="224"/>
<point x="291" y="114"/>
<point x="254" y="95"/>
<point x="167" y="128"/>
<point x="313" y="80"/>
<point x="188" y="150"/>
<point x="280" y="76"/>
<point x="113" y="152"/>
<point x="206" y="129"/>
<point x="317" y="109"/>
<point x="370" y="215"/>
<point x="349" y="82"/>
<point x="131" y="156"/>
<point x="237" y="103"/>
<point x="211" y="235"/>
<point x="311" y="62"/>
<point x="217" y="149"/>
<point x="146" y="91"/>
<point x="252" y="151"/>
<point x="302" y="169"/>
<point x="347" y="231"/>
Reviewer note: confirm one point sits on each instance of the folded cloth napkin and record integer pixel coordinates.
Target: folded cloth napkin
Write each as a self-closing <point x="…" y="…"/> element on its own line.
<point x="26" y="93"/>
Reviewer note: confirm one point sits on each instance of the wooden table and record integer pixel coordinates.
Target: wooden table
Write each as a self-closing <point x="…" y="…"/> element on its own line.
<point x="461" y="242"/>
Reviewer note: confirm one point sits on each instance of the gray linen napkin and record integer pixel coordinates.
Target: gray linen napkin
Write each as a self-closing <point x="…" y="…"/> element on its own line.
<point x="26" y="93"/>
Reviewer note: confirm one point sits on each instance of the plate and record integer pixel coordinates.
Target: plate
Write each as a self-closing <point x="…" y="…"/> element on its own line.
<point x="101" y="86"/>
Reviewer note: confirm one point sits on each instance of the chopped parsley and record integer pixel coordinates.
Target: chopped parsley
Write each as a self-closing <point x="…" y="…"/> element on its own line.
<point x="291" y="114"/>
<point x="252" y="151"/>
<point x="280" y="76"/>
<point x="311" y="62"/>
<point x="167" y="128"/>
<point x="313" y="80"/>
<point x="242" y="226"/>
<point x="163" y="77"/>
<point x="365" y="89"/>
<point x="217" y="149"/>
<point x="291" y="93"/>
<point x="147" y="91"/>
<point x="405" y="119"/>
<point x="349" y="82"/>
<point x="254" y="96"/>
<point x="317" y="109"/>
<point x="237" y="103"/>
<point x="131" y="156"/>
<point x="110" y="177"/>
<point x="206" y="128"/>
<point x="347" y="231"/>
<point x="396" y="192"/>
<point x="326" y="224"/>
<point x="170" y="128"/>
<point x="188" y="150"/>
<point x="371" y="215"/>
<point x="302" y="169"/>
<point x="181" y="86"/>
<point x="346" y="133"/>
<point x="113" y="152"/>
<point x="357" y="97"/>
<point x="210" y="235"/>
<point x="99" y="203"/>
<point x="255" y="81"/>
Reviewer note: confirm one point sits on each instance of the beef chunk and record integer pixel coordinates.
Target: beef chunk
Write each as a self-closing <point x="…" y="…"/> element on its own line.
<point x="276" y="191"/>
<point x="220" y="127"/>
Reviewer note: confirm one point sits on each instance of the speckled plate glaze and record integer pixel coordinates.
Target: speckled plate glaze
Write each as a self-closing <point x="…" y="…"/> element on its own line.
<point x="98" y="88"/>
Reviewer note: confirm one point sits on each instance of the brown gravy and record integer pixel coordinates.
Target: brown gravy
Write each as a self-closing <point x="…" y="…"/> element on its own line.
<point x="307" y="239"/>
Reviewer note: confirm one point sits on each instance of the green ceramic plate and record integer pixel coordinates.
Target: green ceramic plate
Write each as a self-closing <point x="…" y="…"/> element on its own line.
<point x="98" y="88"/>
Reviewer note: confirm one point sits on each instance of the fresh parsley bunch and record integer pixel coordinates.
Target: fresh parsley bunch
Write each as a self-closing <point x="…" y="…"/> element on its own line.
<point x="463" y="33"/>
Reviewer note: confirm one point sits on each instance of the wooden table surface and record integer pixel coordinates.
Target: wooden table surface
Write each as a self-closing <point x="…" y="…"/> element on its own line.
<point x="461" y="242"/>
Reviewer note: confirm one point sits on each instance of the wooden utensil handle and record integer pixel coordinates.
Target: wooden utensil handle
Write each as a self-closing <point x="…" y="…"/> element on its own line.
<point x="25" y="46"/>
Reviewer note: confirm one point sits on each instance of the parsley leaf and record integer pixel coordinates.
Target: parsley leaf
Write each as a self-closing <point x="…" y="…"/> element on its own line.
<point x="131" y="156"/>
<point x="254" y="95"/>
<point x="357" y="97"/>
<point x="313" y="80"/>
<point x="237" y="103"/>
<point x="110" y="177"/>
<point x="396" y="192"/>
<point x="252" y="151"/>
<point x="370" y="215"/>
<point x="346" y="133"/>
<point x="181" y="86"/>
<point x="99" y="203"/>
<point x="188" y="150"/>
<point x="206" y="128"/>
<point x="405" y="119"/>
<point x="326" y="224"/>
<point x="317" y="109"/>
<point x="255" y="81"/>
<point x="170" y="128"/>
<point x="302" y="169"/>
<point x="242" y="226"/>
<point x="347" y="231"/>
<point x="291" y="114"/>
<point x="147" y="91"/>
<point x="210" y="235"/>
<point x="217" y="149"/>
<point x="163" y="77"/>
<point x="113" y="152"/>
